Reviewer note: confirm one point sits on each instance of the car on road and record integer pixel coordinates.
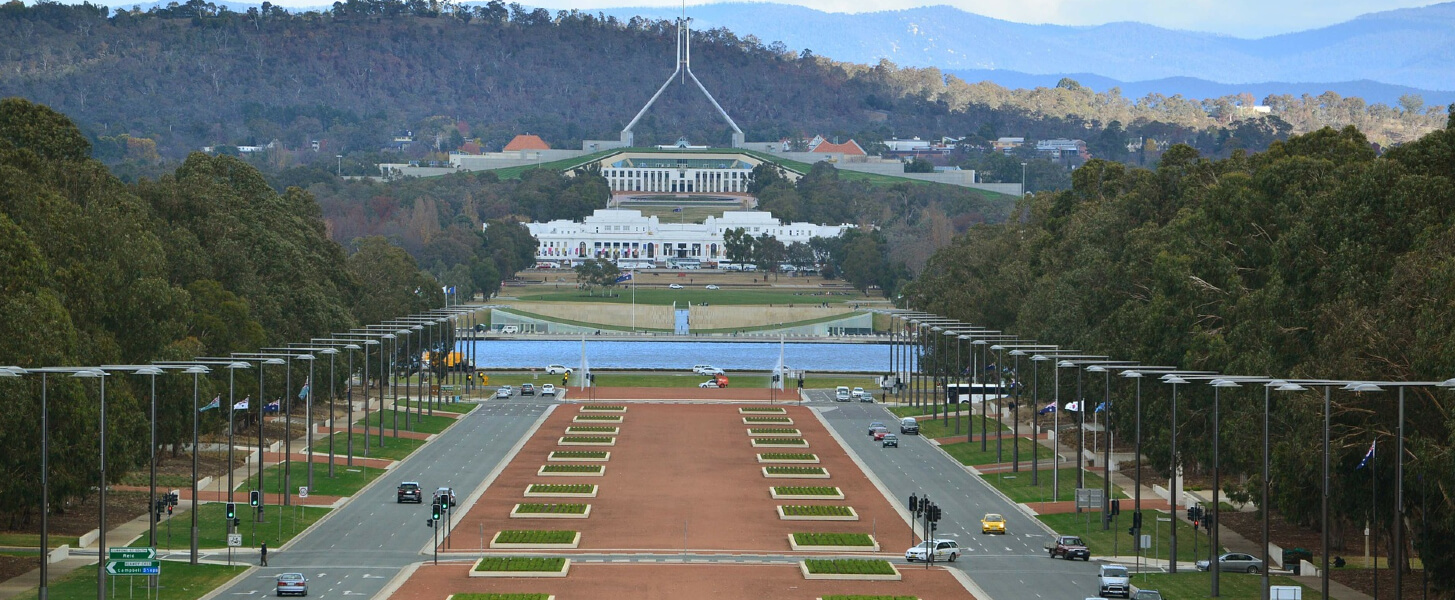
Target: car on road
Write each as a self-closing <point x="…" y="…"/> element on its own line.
<point x="890" y="441"/>
<point x="943" y="550"/>
<point x="712" y="371"/>
<point x="875" y="425"/>
<point x="992" y="523"/>
<point x="1113" y="580"/>
<point x="857" y="393"/>
<point x="505" y="391"/>
<point x="698" y="368"/>
<point x="909" y="425"/>
<point x="548" y="390"/>
<point x="527" y="389"/>
<point x="675" y="286"/>
<point x="1235" y="562"/>
<point x="292" y="583"/>
<point x="713" y="287"/>
<point x="445" y="492"/>
<point x="711" y="383"/>
<point x="841" y="394"/>
<point x="1147" y="595"/>
<point x="879" y="435"/>
<point x="558" y="370"/>
<point x="1069" y="547"/>
<point x="866" y="397"/>
<point x="409" y="491"/>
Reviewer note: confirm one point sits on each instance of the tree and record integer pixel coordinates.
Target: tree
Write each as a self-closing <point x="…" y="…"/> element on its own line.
<point x="599" y="272"/>
<point x="738" y="246"/>
<point x="800" y="255"/>
<point x="919" y="165"/>
<point x="769" y="254"/>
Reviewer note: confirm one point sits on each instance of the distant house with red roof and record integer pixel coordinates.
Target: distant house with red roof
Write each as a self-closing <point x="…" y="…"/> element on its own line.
<point x="527" y="142"/>
<point x="849" y="148"/>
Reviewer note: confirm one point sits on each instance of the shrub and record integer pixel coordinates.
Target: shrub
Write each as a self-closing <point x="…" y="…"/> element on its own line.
<point x="560" y="488"/>
<point x="787" y="456"/>
<point x="778" y="430"/>
<point x="535" y="536"/>
<point x="795" y="490"/>
<point x="843" y="597"/>
<point x="520" y="563"/>
<point x="551" y="508"/>
<point x="783" y="441"/>
<point x="795" y="470"/>
<point x="587" y="407"/>
<point x="768" y="419"/>
<point x="571" y="469"/>
<point x="588" y="428"/>
<point x="612" y="418"/>
<point x="804" y="510"/>
<point x="579" y="454"/>
<point x="588" y="439"/>
<point x="833" y="539"/>
<point x="494" y="596"/>
<point x="849" y="566"/>
<point x="762" y="409"/>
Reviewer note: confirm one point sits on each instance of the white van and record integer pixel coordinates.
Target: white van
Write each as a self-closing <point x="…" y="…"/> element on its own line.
<point x="509" y="329"/>
<point x="909" y="425"/>
<point x="841" y="394"/>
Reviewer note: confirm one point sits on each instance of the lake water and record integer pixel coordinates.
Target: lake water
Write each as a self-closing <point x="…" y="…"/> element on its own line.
<point x="729" y="356"/>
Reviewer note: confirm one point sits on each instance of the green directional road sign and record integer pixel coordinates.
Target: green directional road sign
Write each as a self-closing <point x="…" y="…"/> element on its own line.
<point x="131" y="553"/>
<point x="133" y="567"/>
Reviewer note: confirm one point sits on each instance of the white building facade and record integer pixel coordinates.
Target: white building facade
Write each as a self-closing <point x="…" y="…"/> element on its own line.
<point x="627" y="235"/>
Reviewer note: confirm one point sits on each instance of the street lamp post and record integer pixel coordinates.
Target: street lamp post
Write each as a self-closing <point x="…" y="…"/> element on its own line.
<point x="232" y="399"/>
<point x="101" y="529"/>
<point x="196" y="371"/>
<point x="1214" y="567"/>
<point x="1023" y="179"/>
<point x="341" y="167"/>
<point x="1106" y="445"/>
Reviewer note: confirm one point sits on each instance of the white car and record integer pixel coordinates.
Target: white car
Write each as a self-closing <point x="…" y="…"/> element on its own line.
<point x="857" y="393"/>
<point x="557" y="370"/>
<point x="505" y="391"/>
<point x="675" y="286"/>
<point x="712" y="287"/>
<point x="945" y="550"/>
<point x="548" y="390"/>
<point x="712" y="371"/>
<point x="711" y="383"/>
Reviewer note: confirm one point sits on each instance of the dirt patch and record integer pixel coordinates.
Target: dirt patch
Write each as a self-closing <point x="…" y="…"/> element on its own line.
<point x="15" y="566"/>
<point x="675" y="582"/>
<point x="685" y="475"/>
<point x="80" y="516"/>
<point x="1363" y="580"/>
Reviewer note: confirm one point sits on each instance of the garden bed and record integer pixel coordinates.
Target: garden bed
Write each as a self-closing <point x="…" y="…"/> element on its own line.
<point x="535" y="510"/>
<point x="495" y="596"/>
<point x="559" y="490"/>
<point x="572" y="470"/>
<point x="586" y="440"/>
<point x="521" y="566"/>
<point x="774" y="431"/>
<point x="597" y="419"/>
<point x="779" y="442"/>
<point x="801" y="458"/>
<point x="762" y="410"/>
<point x="767" y="421"/>
<point x="833" y="542"/>
<point x="794" y="492"/>
<point x="535" y="539"/>
<point x="849" y="568"/>
<point x="603" y="408"/>
<point x="818" y="512"/>
<point x="589" y="455"/>
<point x="796" y="472"/>
<point x="593" y="429"/>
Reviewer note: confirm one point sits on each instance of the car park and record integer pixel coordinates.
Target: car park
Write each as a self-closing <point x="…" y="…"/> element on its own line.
<point x="909" y="425"/>
<point x="841" y="394"/>
<point x="1113" y="580"/>
<point x="992" y="523"/>
<point x="712" y="287"/>
<point x="548" y="390"/>
<point x="527" y="389"/>
<point x="875" y="425"/>
<point x="292" y="583"/>
<point x="558" y="370"/>
<point x="1235" y="562"/>
<point x="675" y="286"/>
<point x="890" y="441"/>
<point x="505" y="391"/>
<point x="409" y="491"/>
<point x="947" y="550"/>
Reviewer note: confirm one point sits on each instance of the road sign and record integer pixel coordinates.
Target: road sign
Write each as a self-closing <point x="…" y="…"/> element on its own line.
<point x="131" y="553"/>
<point x="1088" y="498"/>
<point x="133" y="567"/>
<point x="302" y="491"/>
<point x="1146" y="541"/>
<point x="234" y="540"/>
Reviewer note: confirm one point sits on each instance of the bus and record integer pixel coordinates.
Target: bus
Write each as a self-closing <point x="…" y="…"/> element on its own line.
<point x="686" y="264"/>
<point x="975" y="393"/>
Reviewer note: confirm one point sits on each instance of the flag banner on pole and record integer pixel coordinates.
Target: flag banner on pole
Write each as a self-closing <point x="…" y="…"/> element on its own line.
<point x="215" y="403"/>
<point x="1050" y="408"/>
<point x="242" y="404"/>
<point x="1073" y="406"/>
<point x="1368" y="456"/>
<point x="1101" y="407"/>
<point x="625" y="277"/>
<point x="273" y="406"/>
<point x="303" y="393"/>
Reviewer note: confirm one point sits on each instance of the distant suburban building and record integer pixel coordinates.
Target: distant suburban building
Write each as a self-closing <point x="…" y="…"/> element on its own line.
<point x="849" y="148"/>
<point x="526" y="142"/>
<point x="915" y="147"/>
<point x="1063" y="148"/>
<point x="1006" y="144"/>
<point x="626" y="234"/>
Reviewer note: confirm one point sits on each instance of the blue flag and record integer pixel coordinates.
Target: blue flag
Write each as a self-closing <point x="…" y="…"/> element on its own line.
<point x="215" y="403"/>
<point x="1050" y="408"/>
<point x="626" y="277"/>
<point x="1101" y="407"/>
<point x="1368" y="456"/>
<point x="303" y="393"/>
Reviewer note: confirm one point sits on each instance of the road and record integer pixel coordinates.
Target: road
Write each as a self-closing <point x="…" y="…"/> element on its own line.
<point x="1007" y="567"/>
<point x="364" y="544"/>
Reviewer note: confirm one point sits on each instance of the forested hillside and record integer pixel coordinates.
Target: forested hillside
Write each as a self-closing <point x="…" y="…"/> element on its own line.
<point x="1314" y="259"/>
<point x="161" y="83"/>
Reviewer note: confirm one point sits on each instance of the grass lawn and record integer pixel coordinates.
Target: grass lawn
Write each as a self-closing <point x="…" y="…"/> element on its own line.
<point x="968" y="453"/>
<point x="936" y="428"/>
<point x="179" y="581"/>
<point x="346" y="481"/>
<point x="280" y="525"/>
<point x="449" y="407"/>
<point x="1194" y="585"/>
<point x="1116" y="541"/>
<point x="829" y="382"/>
<point x="409" y="422"/>
<point x="394" y="448"/>
<point x="32" y="540"/>
<point x="1018" y="485"/>
<point x="694" y="293"/>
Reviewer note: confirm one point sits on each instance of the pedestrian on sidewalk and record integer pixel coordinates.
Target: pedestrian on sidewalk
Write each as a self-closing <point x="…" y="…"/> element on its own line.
<point x="264" y="554"/>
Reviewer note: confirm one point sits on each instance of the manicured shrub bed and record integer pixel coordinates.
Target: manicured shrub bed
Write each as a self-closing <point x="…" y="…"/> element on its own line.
<point x="520" y="563"/>
<point x="587" y="439"/>
<point x="571" y="469"/>
<point x="795" y="470"/>
<point x="773" y="430"/>
<point x="833" y="539"/>
<point x="580" y="454"/>
<point x="559" y="488"/>
<point x="795" y="490"/>
<point x="535" y="536"/>
<point x="551" y="509"/>
<point x="762" y="409"/>
<point x="591" y="407"/>
<point x="767" y="420"/>
<point x="788" y="456"/>
<point x="849" y="566"/>
<point x="494" y="596"/>
<point x="782" y="441"/>
<point x="612" y="418"/>
<point x="590" y="429"/>
<point x="802" y="510"/>
<point x="853" y="597"/>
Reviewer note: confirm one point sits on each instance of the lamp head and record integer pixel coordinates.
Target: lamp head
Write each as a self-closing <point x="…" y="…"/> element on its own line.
<point x="11" y="371"/>
<point x="1017" y="352"/>
<point x="1292" y="387"/>
<point x="329" y="351"/>
<point x="1065" y="364"/>
<point x="371" y="342"/>
<point x="150" y="371"/>
<point x="274" y="361"/>
<point x="90" y="373"/>
<point x="1173" y="379"/>
<point x="196" y="370"/>
<point x="403" y="332"/>
<point x="979" y="342"/>
<point x="1130" y="374"/>
<point x="351" y="347"/>
<point x="1275" y="384"/>
<point x="239" y="365"/>
<point x="387" y="336"/>
<point x="1096" y="369"/>
<point x="1040" y="358"/>
<point x="303" y="357"/>
<point x="1448" y="383"/>
<point x="1223" y="383"/>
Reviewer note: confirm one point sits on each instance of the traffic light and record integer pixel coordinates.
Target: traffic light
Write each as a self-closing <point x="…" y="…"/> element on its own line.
<point x="934" y="513"/>
<point x="1137" y="520"/>
<point x="914" y="504"/>
<point x="1116" y="507"/>
<point x="435" y="510"/>
<point x="255" y="498"/>
<point x="1207" y="523"/>
<point x="1191" y="513"/>
<point x="231" y="511"/>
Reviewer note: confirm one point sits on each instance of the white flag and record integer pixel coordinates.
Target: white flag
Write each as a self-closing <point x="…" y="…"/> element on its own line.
<point x="1073" y="406"/>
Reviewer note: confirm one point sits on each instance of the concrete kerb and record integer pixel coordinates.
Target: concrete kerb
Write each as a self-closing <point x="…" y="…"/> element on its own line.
<point x="499" y="468"/>
<point x="397" y="582"/>
<point x="970" y="585"/>
<point x="248" y="572"/>
<point x="863" y="468"/>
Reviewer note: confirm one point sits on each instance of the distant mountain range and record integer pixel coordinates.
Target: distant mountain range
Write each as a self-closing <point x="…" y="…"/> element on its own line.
<point x="1377" y="56"/>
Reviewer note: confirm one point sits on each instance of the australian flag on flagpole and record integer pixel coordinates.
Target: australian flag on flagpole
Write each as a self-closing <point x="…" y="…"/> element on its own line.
<point x="215" y="403"/>
<point x="1050" y="408"/>
<point x="273" y="406"/>
<point x="1368" y="456"/>
<point x="624" y="277"/>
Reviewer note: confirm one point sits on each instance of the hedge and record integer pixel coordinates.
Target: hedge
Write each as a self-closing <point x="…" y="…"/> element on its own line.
<point x="535" y="536"/>
<point x="579" y="454"/>
<point x="788" y="456"/>
<point x="494" y="596"/>
<point x="833" y="539"/>
<point x="781" y="430"/>
<point x="795" y="470"/>
<point x="553" y="509"/>
<point x="849" y="566"/>
<point x="561" y="488"/>
<point x="589" y="428"/>
<point x="586" y="407"/>
<point x="768" y="419"/>
<point x="804" y="510"/>
<point x="587" y="439"/>
<point x="520" y="563"/>
<point x="598" y="417"/>
<point x="822" y="490"/>
<point x="783" y="441"/>
<point x="761" y="409"/>
<point x="571" y="469"/>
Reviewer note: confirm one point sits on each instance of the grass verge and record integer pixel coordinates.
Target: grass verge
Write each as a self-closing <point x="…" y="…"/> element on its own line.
<point x="832" y="539"/>
<point x="346" y="481"/>
<point x="407" y="422"/>
<point x="850" y="566"/>
<point x="280" y="525"/>
<point x="179" y="580"/>
<point x="394" y="448"/>
<point x="1018" y="485"/>
<point x="1116" y="541"/>
<point x="968" y="453"/>
<point x="1195" y="586"/>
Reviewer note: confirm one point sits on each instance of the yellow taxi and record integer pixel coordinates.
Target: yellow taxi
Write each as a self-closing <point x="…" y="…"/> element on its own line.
<point x="992" y="523"/>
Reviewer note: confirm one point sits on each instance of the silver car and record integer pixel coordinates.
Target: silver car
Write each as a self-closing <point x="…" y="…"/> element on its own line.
<point x="292" y="583"/>
<point x="1234" y="562"/>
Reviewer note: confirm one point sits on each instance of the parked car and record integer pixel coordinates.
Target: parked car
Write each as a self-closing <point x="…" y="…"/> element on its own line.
<point x="713" y="287"/>
<point x="1234" y="562"/>
<point x="943" y="550"/>
<point x="857" y="393"/>
<point x="992" y="523"/>
<point x="557" y="370"/>
<point x="548" y="390"/>
<point x="505" y="391"/>
<point x="1147" y="595"/>
<point x="712" y="371"/>
<point x="891" y="441"/>
<point x="527" y="389"/>
<point x="841" y="394"/>
<point x="909" y="425"/>
<point x="875" y="425"/>
<point x="711" y="383"/>
<point x="292" y="583"/>
<point x="675" y="286"/>
<point x="409" y="491"/>
<point x="1113" y="580"/>
<point x="1068" y="547"/>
